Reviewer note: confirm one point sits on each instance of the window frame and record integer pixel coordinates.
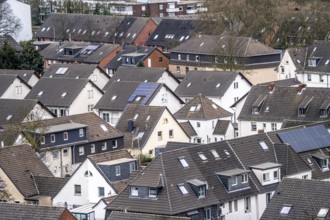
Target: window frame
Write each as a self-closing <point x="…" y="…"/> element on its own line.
<point x="245" y="178"/>
<point x="159" y="135"/>
<point x="65" y="136"/>
<point x="81" y="132"/>
<point x="265" y="177"/>
<point x="92" y="148"/>
<point x="104" y="146"/>
<point x="52" y="138"/>
<point x="77" y="190"/>
<point x="100" y="189"/>
<point x="151" y="195"/>
<point x="118" y="171"/>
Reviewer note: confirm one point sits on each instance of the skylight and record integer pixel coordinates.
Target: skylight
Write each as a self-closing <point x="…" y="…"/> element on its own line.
<point x="214" y="106"/>
<point x="133" y="35"/>
<point x="192" y="108"/>
<point x="226" y="152"/>
<point x="181" y="39"/>
<point x="40" y="93"/>
<point x="189" y="84"/>
<point x="183" y="162"/>
<point x="327" y="62"/>
<point x="183" y="189"/>
<point x="64" y="94"/>
<point x="104" y="128"/>
<point x="136" y="116"/>
<point x="187" y="37"/>
<point x="140" y="135"/>
<point x="285" y="209"/>
<point x="218" y="85"/>
<point x="202" y="156"/>
<point x="215" y="154"/>
<point x="201" y="44"/>
<point x="61" y="70"/>
<point x="113" y="98"/>
<point x="9" y="117"/>
<point x="156" y="37"/>
<point x="148" y="117"/>
<point x="323" y="212"/>
<point x="198" y="107"/>
<point x="263" y="145"/>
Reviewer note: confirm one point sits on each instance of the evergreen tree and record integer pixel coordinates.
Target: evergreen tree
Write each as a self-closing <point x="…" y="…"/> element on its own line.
<point x="30" y="58"/>
<point x="8" y="57"/>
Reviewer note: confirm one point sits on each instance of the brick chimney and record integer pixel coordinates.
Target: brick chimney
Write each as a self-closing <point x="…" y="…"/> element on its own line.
<point x="271" y="87"/>
<point x="301" y="88"/>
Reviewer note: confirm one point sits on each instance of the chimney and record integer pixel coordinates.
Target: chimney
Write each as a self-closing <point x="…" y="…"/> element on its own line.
<point x="301" y="88"/>
<point x="271" y="87"/>
<point x="130" y="127"/>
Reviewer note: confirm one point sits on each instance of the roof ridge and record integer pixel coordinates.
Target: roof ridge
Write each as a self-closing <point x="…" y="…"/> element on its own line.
<point x="165" y="181"/>
<point x="202" y="106"/>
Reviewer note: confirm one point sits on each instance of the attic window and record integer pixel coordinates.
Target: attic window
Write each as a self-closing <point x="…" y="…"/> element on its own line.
<point x="136" y="116"/>
<point x="189" y="84"/>
<point x="137" y="98"/>
<point x="155" y="37"/>
<point x="214" y="106"/>
<point x="183" y="162"/>
<point x="327" y="62"/>
<point x="64" y="94"/>
<point x="302" y="108"/>
<point x="218" y="85"/>
<point x="40" y="93"/>
<point x="198" y="107"/>
<point x="192" y="108"/>
<point x="313" y="62"/>
<point x="263" y="145"/>
<point x="133" y="35"/>
<point x="9" y="117"/>
<point x="181" y="39"/>
<point x="148" y="117"/>
<point x="202" y="156"/>
<point x="113" y="98"/>
<point x="183" y="189"/>
<point x="285" y="209"/>
<point x="257" y="104"/>
<point x="201" y="44"/>
<point x="215" y="154"/>
<point x="118" y="80"/>
<point x="323" y="212"/>
<point x="104" y="128"/>
<point x="226" y="152"/>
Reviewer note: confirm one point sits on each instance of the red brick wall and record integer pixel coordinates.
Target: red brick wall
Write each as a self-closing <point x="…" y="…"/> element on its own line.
<point x="145" y="33"/>
<point x="154" y="56"/>
<point x="109" y="57"/>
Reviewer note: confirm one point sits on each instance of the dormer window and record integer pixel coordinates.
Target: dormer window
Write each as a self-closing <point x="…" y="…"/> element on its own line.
<point x="134" y="191"/>
<point x="325" y="108"/>
<point x="202" y="156"/>
<point x="256" y="107"/>
<point x="215" y="154"/>
<point x="234" y="179"/>
<point x="322" y="160"/>
<point x="313" y="61"/>
<point x="199" y="187"/>
<point x="267" y="173"/>
<point x="244" y="178"/>
<point x="152" y="192"/>
<point x="302" y="108"/>
<point x="323" y="212"/>
<point x="265" y="177"/>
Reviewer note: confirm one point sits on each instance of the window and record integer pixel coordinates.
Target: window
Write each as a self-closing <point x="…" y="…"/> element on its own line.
<point x="207" y="214"/>
<point x="101" y="191"/>
<point x="202" y="191"/>
<point x="198" y="124"/>
<point x="152" y="192"/>
<point x="235" y="85"/>
<point x="178" y="68"/>
<point x="2" y="185"/>
<point x="235" y="206"/>
<point x="265" y="177"/>
<point x="230" y="206"/>
<point x="179" y="56"/>
<point x="253" y="126"/>
<point x="134" y="191"/>
<point x="65" y="136"/>
<point x="89" y="94"/>
<point x="106" y="117"/>
<point x="202" y="156"/>
<point x="244" y="178"/>
<point x="132" y="167"/>
<point x="183" y="189"/>
<point x="183" y="162"/>
<point x="81" y="151"/>
<point x="92" y="148"/>
<point x="285" y="209"/>
<point x="322" y="212"/>
<point x="187" y="57"/>
<point x="117" y="170"/>
<point x="324" y="164"/>
<point x="305" y="177"/>
<point x="159" y="135"/>
<point x="282" y="69"/>
<point x="263" y="145"/>
<point x="309" y="77"/>
<point x="65" y="152"/>
<point x="170" y="133"/>
<point x="161" y="7"/>
<point x="215" y="154"/>
<point x="18" y="89"/>
<point x="81" y="132"/>
<point x="63" y="112"/>
<point x="104" y="146"/>
<point x="274" y="126"/>
<point x="321" y="78"/>
<point x="187" y="69"/>
<point x="77" y="190"/>
<point x="114" y="144"/>
<point x="234" y="180"/>
<point x="160" y="59"/>
<point x="275" y="174"/>
<point x="52" y="138"/>
<point x="143" y="8"/>
<point x="42" y="140"/>
<point x="55" y="154"/>
<point x="197" y="58"/>
<point x="235" y="99"/>
<point x="268" y="197"/>
<point x="247" y="204"/>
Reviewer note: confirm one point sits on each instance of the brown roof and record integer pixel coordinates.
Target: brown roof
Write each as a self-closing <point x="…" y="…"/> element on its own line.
<point x="186" y="126"/>
<point x="221" y="127"/>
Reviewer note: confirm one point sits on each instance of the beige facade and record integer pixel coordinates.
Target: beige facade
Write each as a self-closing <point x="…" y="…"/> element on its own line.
<point x="11" y="189"/>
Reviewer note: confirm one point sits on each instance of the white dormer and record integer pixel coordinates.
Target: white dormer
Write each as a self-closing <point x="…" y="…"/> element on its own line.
<point x="267" y="173"/>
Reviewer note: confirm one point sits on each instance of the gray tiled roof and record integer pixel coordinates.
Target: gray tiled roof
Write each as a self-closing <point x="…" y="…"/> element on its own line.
<point x="208" y="110"/>
<point x="283" y="82"/>
<point x="19" y="163"/>
<point x="54" y="88"/>
<point x="25" y="75"/>
<point x="282" y="104"/>
<point x="24" y="211"/>
<point x="205" y="82"/>
<point x="298" y="57"/>
<point x="188" y="128"/>
<point x="129" y="29"/>
<point x="11" y="42"/>
<point x="221" y="127"/>
<point x="306" y="198"/>
<point x="319" y="49"/>
<point x="50" y="186"/>
<point x="140" y="216"/>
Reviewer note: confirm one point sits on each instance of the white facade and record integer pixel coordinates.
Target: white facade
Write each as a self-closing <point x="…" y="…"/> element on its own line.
<point x="166" y="98"/>
<point x="98" y="78"/>
<point x="38" y="113"/>
<point x="99" y="210"/>
<point x="169" y="81"/>
<point x="230" y="134"/>
<point x="246" y="128"/>
<point x="111" y="117"/>
<point x="17" y="90"/>
<point x="286" y="68"/>
<point x="88" y="179"/>
<point x="23" y="12"/>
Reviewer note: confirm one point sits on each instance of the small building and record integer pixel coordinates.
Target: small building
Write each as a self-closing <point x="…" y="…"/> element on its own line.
<point x="13" y="87"/>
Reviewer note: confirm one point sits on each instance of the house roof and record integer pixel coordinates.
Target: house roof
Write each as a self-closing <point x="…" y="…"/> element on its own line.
<point x="80" y="27"/>
<point x="6" y="80"/>
<point x="318" y="50"/>
<point x="215" y="45"/>
<point x="12" y="42"/>
<point x="298" y="56"/>
<point x="201" y="108"/>
<point x="188" y="128"/>
<point x="71" y="71"/>
<point x="25" y="75"/>
<point x="20" y="163"/>
<point x="297" y="194"/>
<point x="221" y="127"/>
<point x="141" y="216"/>
<point x="24" y="211"/>
<point x="170" y="145"/>
<point x="205" y="83"/>
<point x="57" y="91"/>
<point x="50" y="185"/>
<point x="283" y="82"/>
<point x="283" y="103"/>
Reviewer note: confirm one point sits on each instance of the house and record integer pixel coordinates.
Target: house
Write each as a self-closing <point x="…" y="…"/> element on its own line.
<point x="65" y="96"/>
<point x="79" y="52"/>
<point x="141" y="216"/>
<point x="119" y="94"/>
<point x="13" y="87"/>
<point x="28" y="76"/>
<point x="65" y="142"/>
<point x="172" y="32"/>
<point x="308" y="65"/>
<point x="152" y="127"/>
<point x="19" y="211"/>
<point x="223" y="88"/>
<point x="255" y="60"/>
<point x="292" y="200"/>
<point x="135" y="56"/>
<point x="12" y="42"/>
<point x="99" y="176"/>
<point x="267" y="107"/>
<point x="77" y="71"/>
<point x="156" y="75"/>
<point x="205" y="116"/>
<point x="232" y="179"/>
<point x="24" y="178"/>
<point x="16" y="111"/>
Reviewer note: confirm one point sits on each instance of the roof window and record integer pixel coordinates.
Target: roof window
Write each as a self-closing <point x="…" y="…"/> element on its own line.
<point x="323" y="212"/>
<point x="104" y="128"/>
<point x="202" y="156"/>
<point x="215" y="154"/>
<point x="113" y="98"/>
<point x="64" y="94"/>
<point x="285" y="209"/>
<point x="183" y="162"/>
<point x="183" y="189"/>
<point x="263" y="145"/>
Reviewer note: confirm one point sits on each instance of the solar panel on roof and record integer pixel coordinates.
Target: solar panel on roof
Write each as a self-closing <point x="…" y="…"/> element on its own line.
<point x="306" y="139"/>
<point x="144" y="89"/>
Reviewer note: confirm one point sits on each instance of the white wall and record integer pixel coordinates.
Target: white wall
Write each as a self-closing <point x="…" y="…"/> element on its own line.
<point x="99" y="210"/>
<point x="240" y="214"/>
<point x="288" y="67"/>
<point x="272" y="180"/>
<point x="11" y="92"/>
<point x="39" y="113"/>
<point x="99" y="78"/>
<point x="114" y="116"/>
<point x="301" y="175"/>
<point x="164" y="97"/>
<point x="244" y="127"/>
<point x="23" y="12"/>
<point x="169" y="81"/>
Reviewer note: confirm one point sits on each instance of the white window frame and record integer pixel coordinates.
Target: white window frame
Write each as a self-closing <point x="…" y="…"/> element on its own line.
<point x="234" y="180"/>
<point x="99" y="188"/>
<point x="275" y="176"/>
<point x="265" y="177"/>
<point x="118" y="172"/>
<point x="207" y="214"/>
<point x="42" y="140"/>
<point x="65" y="136"/>
<point x="90" y="94"/>
<point x="104" y="146"/>
<point x="81" y="150"/>
<point x="152" y="192"/>
<point x="114" y="144"/>
<point x="75" y="190"/>
<point x="134" y="191"/>
<point x="92" y="148"/>
<point x="245" y="178"/>
<point x="52" y="138"/>
<point x="160" y="135"/>
<point x="81" y="132"/>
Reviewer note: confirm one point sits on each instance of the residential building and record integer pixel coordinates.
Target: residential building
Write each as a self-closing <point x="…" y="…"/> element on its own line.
<point x="151" y="127"/>
<point x="13" y="87"/>
<point x="64" y="96"/>
<point x="141" y="216"/>
<point x="28" y="76"/>
<point x="12" y="42"/>
<point x="205" y="116"/>
<point x="255" y="60"/>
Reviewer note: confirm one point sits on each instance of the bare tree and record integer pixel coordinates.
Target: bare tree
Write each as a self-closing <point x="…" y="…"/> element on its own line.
<point x="9" y="23"/>
<point x="5" y="196"/>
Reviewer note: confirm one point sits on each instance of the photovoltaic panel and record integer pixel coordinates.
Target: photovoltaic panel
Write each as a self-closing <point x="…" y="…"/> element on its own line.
<point x="306" y="139"/>
<point x="146" y="90"/>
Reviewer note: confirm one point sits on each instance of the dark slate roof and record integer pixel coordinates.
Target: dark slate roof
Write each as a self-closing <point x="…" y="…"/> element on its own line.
<point x="170" y="145"/>
<point x="123" y="90"/>
<point x="201" y="108"/>
<point x="19" y="163"/>
<point x="81" y="27"/>
<point x="5" y="81"/>
<point x="24" y="211"/>
<point x="74" y="71"/>
<point x="172" y="32"/>
<point x="306" y="198"/>
<point x="11" y="42"/>
<point x="221" y="127"/>
<point x="298" y="57"/>
<point x="141" y="124"/>
<point x="25" y="75"/>
<point x="207" y="44"/>
<point x="140" y="216"/>
<point x="50" y="186"/>
<point x="319" y="49"/>
<point x="283" y="82"/>
<point x="54" y="88"/>
<point x="205" y="82"/>
<point x="282" y="104"/>
<point x="187" y="127"/>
